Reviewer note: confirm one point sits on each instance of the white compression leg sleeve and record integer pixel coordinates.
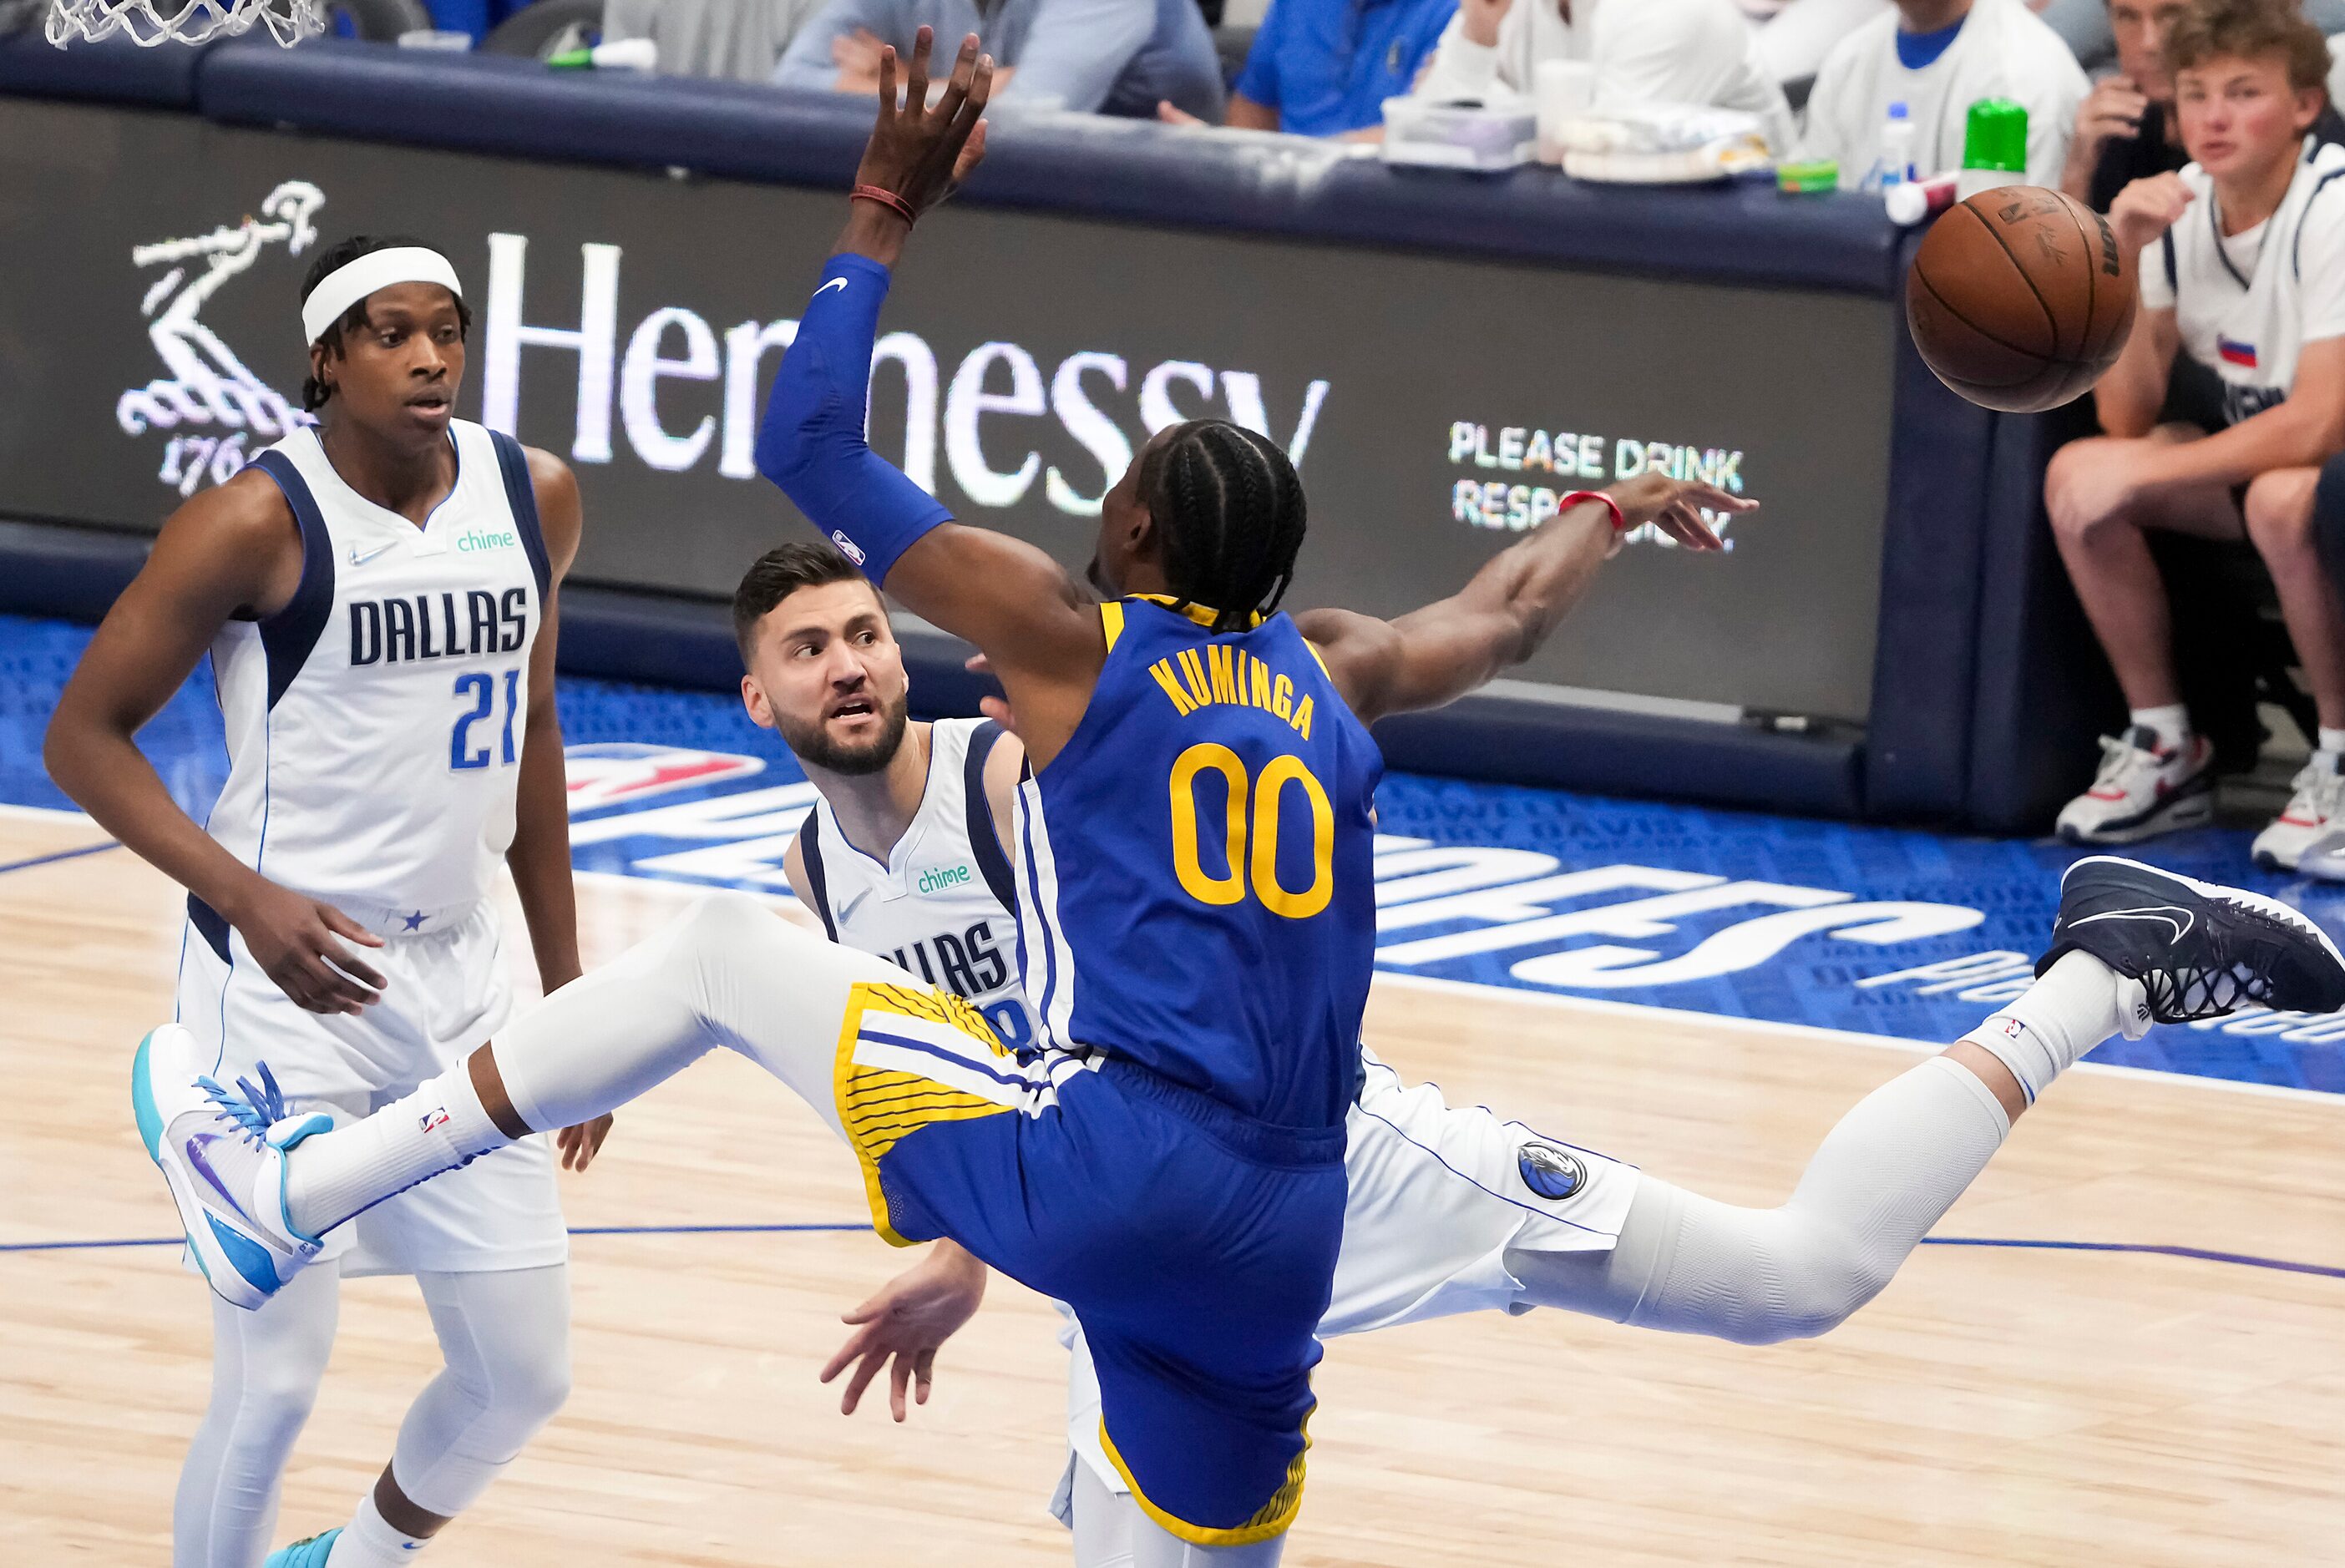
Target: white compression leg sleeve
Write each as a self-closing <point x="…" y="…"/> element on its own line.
<point x="1894" y="1165"/>
<point x="266" y="1367"/>
<point x="729" y="972"/>
<point x="1112" y="1531"/>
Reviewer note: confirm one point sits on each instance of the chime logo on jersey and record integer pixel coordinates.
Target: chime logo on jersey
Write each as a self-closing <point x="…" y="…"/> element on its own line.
<point x="1551" y="1172"/>
<point x="2235" y="352"/>
<point x="205" y="385"/>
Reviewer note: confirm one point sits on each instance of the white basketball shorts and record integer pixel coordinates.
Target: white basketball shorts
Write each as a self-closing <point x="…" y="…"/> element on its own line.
<point x="1439" y="1195"/>
<point x="446" y="992"/>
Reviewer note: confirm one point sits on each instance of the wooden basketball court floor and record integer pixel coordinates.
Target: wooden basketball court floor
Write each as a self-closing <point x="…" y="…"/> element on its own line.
<point x="1994" y="1406"/>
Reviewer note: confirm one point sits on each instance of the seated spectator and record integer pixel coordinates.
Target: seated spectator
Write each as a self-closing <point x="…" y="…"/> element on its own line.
<point x="735" y="40"/>
<point x="1644" y="52"/>
<point x="1938" y="57"/>
<point x="2242" y="266"/>
<point x="2089" y="26"/>
<point x="1794" y="41"/>
<point x="1324" y="67"/>
<point x="1090" y="57"/>
<point x="2126" y="130"/>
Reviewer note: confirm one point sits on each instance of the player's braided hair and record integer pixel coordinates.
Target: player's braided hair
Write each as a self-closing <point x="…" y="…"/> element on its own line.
<point x="315" y="392"/>
<point x="1229" y="508"/>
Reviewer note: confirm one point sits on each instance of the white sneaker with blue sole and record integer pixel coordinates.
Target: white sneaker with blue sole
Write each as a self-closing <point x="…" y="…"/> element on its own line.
<point x="223" y="1159"/>
<point x="310" y="1553"/>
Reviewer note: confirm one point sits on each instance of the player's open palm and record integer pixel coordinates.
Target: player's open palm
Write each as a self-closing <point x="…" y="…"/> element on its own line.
<point x="905" y="1323"/>
<point x="919" y="152"/>
<point x="299" y="944"/>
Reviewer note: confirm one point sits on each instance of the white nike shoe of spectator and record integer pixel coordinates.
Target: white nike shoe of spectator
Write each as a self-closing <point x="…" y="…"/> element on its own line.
<point x="2142" y="792"/>
<point x="2316" y="811"/>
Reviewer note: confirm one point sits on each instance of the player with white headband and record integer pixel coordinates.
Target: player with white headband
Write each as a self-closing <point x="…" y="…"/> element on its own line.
<point x="378" y="594"/>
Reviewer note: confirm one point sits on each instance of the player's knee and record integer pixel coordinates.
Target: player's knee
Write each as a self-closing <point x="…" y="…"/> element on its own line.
<point x="1837" y="1275"/>
<point x="2279" y="510"/>
<point x="274" y="1397"/>
<point x="526" y="1389"/>
<point x="723" y="924"/>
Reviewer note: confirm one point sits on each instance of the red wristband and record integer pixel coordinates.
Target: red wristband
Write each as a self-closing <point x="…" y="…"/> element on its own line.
<point x="887" y="199"/>
<point x="1573" y="498"/>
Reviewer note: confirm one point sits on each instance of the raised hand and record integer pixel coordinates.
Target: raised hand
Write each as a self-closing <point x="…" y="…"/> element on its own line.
<point x="922" y="154"/>
<point x="1675" y="506"/>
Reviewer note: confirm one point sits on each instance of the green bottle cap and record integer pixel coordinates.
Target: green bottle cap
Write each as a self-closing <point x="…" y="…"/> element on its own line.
<point x="1818" y="175"/>
<point x="1997" y="136"/>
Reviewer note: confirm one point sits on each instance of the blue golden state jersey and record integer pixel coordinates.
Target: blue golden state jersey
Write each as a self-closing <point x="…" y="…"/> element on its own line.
<point x="1195" y="892"/>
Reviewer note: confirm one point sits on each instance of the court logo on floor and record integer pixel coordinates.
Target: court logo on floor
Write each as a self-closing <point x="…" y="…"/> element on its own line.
<point x="205" y="384"/>
<point x="1551" y="1172"/>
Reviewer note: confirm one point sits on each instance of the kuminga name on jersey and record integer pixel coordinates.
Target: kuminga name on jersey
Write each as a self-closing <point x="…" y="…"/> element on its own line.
<point x="1195" y="884"/>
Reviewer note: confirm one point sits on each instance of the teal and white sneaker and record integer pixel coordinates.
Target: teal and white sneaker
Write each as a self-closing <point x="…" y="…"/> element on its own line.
<point x="310" y="1553"/>
<point x="222" y="1155"/>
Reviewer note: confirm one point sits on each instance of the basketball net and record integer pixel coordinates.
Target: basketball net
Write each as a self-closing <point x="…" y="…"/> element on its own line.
<point x="151" y="21"/>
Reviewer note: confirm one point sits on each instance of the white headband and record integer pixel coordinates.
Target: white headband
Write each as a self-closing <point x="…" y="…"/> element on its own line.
<point x="345" y="286"/>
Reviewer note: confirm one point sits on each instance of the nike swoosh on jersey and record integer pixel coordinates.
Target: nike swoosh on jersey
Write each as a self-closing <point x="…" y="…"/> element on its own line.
<point x="848" y="912"/>
<point x="837" y="283"/>
<point x="2165" y="912"/>
<point x="360" y="556"/>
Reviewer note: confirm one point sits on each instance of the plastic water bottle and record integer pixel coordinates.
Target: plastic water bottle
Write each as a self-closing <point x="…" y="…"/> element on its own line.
<point x="1895" y="166"/>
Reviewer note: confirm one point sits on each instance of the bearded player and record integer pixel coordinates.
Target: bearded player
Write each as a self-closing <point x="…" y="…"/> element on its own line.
<point x="377" y="598"/>
<point x="1197" y="909"/>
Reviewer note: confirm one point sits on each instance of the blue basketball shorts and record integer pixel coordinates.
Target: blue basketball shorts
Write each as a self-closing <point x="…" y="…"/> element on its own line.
<point x="1196" y="1246"/>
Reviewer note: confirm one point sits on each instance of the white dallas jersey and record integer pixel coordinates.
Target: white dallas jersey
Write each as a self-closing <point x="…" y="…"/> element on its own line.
<point x="375" y="723"/>
<point x="941" y="905"/>
<point x="2246" y="304"/>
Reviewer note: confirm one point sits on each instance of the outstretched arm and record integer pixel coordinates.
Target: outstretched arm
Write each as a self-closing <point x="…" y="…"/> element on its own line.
<point x="1009" y="598"/>
<point x="1437" y="655"/>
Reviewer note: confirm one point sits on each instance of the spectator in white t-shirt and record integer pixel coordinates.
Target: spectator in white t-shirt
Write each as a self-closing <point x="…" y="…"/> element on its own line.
<point x="2241" y="257"/>
<point x="1644" y="51"/>
<point x="1938" y="57"/>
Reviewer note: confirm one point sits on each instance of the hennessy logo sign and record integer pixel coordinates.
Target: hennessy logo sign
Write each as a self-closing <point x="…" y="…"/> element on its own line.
<point x="984" y="407"/>
<point x="206" y="386"/>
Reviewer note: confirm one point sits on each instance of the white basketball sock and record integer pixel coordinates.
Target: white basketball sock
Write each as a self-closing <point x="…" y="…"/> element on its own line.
<point x="334" y="1175"/>
<point x="2170" y="724"/>
<point x="2078" y="1003"/>
<point x="2333" y="742"/>
<point x="369" y="1541"/>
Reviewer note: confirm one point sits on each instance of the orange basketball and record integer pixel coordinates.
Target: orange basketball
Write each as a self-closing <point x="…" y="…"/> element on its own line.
<point x="2020" y="299"/>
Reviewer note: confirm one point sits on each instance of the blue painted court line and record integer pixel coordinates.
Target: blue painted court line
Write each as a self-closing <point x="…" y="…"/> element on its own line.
<point x="2148" y="1249"/>
<point x="2245" y="1260"/>
<point x="574" y="1231"/>
<point x="60" y="855"/>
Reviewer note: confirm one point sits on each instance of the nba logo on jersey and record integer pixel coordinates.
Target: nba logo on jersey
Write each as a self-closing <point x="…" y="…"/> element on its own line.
<point x="432" y="1118"/>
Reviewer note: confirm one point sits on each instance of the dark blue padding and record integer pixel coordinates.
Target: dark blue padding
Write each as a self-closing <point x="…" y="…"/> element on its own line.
<point x="114" y="71"/>
<point x="289" y="636"/>
<point x="1918" y="735"/>
<point x="2042" y="689"/>
<point x="1607" y="752"/>
<point x="521" y="499"/>
<point x="64" y="569"/>
<point x="816" y="892"/>
<point x="1096" y="167"/>
<point x="211" y="926"/>
<point x="984" y="838"/>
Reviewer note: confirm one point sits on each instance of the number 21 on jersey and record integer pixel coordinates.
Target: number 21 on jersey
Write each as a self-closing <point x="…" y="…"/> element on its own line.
<point x="1249" y="848"/>
<point x="479" y="687"/>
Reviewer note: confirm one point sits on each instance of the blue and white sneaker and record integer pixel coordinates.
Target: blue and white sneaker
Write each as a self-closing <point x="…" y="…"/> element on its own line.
<point x="310" y="1553"/>
<point x="2199" y="950"/>
<point x="222" y="1155"/>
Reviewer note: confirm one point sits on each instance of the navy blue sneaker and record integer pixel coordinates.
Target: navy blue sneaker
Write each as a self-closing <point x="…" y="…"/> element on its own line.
<point x="2199" y="951"/>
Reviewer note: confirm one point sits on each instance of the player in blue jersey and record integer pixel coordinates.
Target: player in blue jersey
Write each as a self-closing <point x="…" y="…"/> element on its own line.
<point x="1193" y="878"/>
